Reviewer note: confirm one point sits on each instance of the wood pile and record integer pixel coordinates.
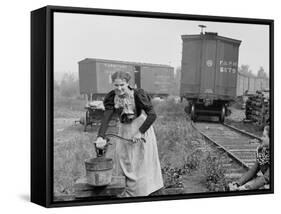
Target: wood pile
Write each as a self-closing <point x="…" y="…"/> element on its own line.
<point x="257" y="108"/>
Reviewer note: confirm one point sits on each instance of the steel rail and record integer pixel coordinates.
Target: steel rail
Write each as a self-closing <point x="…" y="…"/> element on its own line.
<point x="242" y="131"/>
<point x="219" y="146"/>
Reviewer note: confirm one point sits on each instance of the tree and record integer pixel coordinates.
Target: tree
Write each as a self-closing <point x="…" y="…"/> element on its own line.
<point x="261" y="73"/>
<point x="178" y="73"/>
<point x="245" y="69"/>
<point x="69" y="85"/>
<point x="56" y="86"/>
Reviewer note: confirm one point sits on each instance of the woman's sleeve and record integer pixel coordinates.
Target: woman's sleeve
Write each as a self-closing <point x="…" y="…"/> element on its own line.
<point x="250" y="174"/>
<point x="259" y="181"/>
<point x="109" y="110"/>
<point x="266" y="176"/>
<point x="146" y="105"/>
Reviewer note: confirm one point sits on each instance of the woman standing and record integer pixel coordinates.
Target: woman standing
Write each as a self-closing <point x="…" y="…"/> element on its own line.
<point x="137" y="161"/>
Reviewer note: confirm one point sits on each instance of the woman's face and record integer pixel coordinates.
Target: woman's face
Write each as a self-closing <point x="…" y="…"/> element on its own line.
<point x="120" y="86"/>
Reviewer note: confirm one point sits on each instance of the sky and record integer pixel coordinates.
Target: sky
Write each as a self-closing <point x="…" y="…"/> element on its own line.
<point x="147" y="40"/>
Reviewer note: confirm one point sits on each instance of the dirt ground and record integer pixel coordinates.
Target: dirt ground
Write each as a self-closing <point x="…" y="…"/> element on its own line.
<point x="193" y="185"/>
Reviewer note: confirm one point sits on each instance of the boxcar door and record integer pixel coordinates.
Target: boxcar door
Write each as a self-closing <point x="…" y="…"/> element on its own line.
<point x="208" y="67"/>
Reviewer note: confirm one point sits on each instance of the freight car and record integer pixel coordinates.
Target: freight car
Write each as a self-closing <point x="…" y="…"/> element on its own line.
<point x="209" y="73"/>
<point x="251" y="84"/>
<point x="95" y="82"/>
<point x="95" y="77"/>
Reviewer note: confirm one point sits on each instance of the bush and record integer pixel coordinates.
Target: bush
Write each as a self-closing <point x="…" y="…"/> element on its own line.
<point x="174" y="136"/>
<point x="193" y="161"/>
<point x="172" y="177"/>
<point x="169" y="107"/>
<point x="69" y="86"/>
<point x="213" y="172"/>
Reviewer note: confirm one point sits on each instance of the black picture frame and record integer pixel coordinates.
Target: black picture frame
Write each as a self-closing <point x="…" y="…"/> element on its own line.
<point x="42" y="84"/>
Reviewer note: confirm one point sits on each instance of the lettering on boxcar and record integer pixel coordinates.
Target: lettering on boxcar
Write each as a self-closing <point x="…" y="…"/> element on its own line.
<point x="228" y="66"/>
<point x="114" y="65"/>
<point x="209" y="63"/>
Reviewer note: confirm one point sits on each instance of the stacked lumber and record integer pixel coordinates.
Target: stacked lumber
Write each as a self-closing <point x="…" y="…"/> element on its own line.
<point x="257" y="108"/>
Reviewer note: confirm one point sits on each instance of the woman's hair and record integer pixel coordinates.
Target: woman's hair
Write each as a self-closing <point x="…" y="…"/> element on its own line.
<point x="121" y="75"/>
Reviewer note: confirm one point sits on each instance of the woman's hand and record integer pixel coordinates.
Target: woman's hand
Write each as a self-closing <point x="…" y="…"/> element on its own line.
<point x="233" y="186"/>
<point x="100" y="143"/>
<point x="243" y="187"/>
<point x="138" y="138"/>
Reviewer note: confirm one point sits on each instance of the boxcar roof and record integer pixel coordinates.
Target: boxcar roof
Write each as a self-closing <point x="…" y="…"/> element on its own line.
<point x="211" y="35"/>
<point x="123" y="62"/>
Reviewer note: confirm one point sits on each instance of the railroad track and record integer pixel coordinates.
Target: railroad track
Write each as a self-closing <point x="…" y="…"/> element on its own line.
<point x="232" y="141"/>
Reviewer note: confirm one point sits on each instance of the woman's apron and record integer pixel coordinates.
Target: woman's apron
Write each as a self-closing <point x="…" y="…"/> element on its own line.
<point x="138" y="162"/>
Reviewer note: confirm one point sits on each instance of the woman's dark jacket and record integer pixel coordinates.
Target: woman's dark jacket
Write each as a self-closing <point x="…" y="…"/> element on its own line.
<point x="142" y="102"/>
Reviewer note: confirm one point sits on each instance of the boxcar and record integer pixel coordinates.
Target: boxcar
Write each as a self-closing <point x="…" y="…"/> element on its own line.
<point x="251" y="84"/>
<point x="95" y="76"/>
<point x="252" y="88"/>
<point x="242" y="84"/>
<point x="156" y="80"/>
<point x="209" y="73"/>
<point x="261" y="84"/>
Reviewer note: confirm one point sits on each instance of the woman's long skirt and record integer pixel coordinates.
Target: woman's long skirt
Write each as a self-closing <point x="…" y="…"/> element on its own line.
<point x="138" y="162"/>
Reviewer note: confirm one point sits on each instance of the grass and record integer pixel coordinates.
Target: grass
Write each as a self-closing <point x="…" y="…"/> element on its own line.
<point x="174" y="134"/>
<point x="214" y="173"/>
<point x="69" y="162"/>
<point x="180" y="147"/>
<point x="68" y="107"/>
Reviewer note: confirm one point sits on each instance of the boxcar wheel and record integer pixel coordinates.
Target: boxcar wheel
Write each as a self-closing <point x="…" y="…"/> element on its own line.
<point x="86" y="119"/>
<point x="222" y="114"/>
<point x="187" y="109"/>
<point x="192" y="113"/>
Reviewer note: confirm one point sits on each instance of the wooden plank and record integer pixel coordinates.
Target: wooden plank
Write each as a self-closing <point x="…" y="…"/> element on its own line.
<point x="249" y="160"/>
<point x="242" y="150"/>
<point x="232" y="147"/>
<point x="227" y="165"/>
<point x="168" y="191"/>
<point x="64" y="197"/>
<point x="242" y="157"/>
<point x="99" y="192"/>
<point x="227" y="136"/>
<point x="234" y="169"/>
<point x="116" y="182"/>
<point x="83" y="190"/>
<point x="173" y="191"/>
<point x="233" y="175"/>
<point x="244" y="153"/>
<point x="227" y="141"/>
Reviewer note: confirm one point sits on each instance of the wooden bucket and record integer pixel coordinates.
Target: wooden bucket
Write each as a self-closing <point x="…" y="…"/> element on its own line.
<point x="99" y="171"/>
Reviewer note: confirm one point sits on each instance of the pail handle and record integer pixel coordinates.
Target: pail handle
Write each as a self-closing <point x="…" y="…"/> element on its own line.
<point x="101" y="152"/>
<point x="117" y="136"/>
